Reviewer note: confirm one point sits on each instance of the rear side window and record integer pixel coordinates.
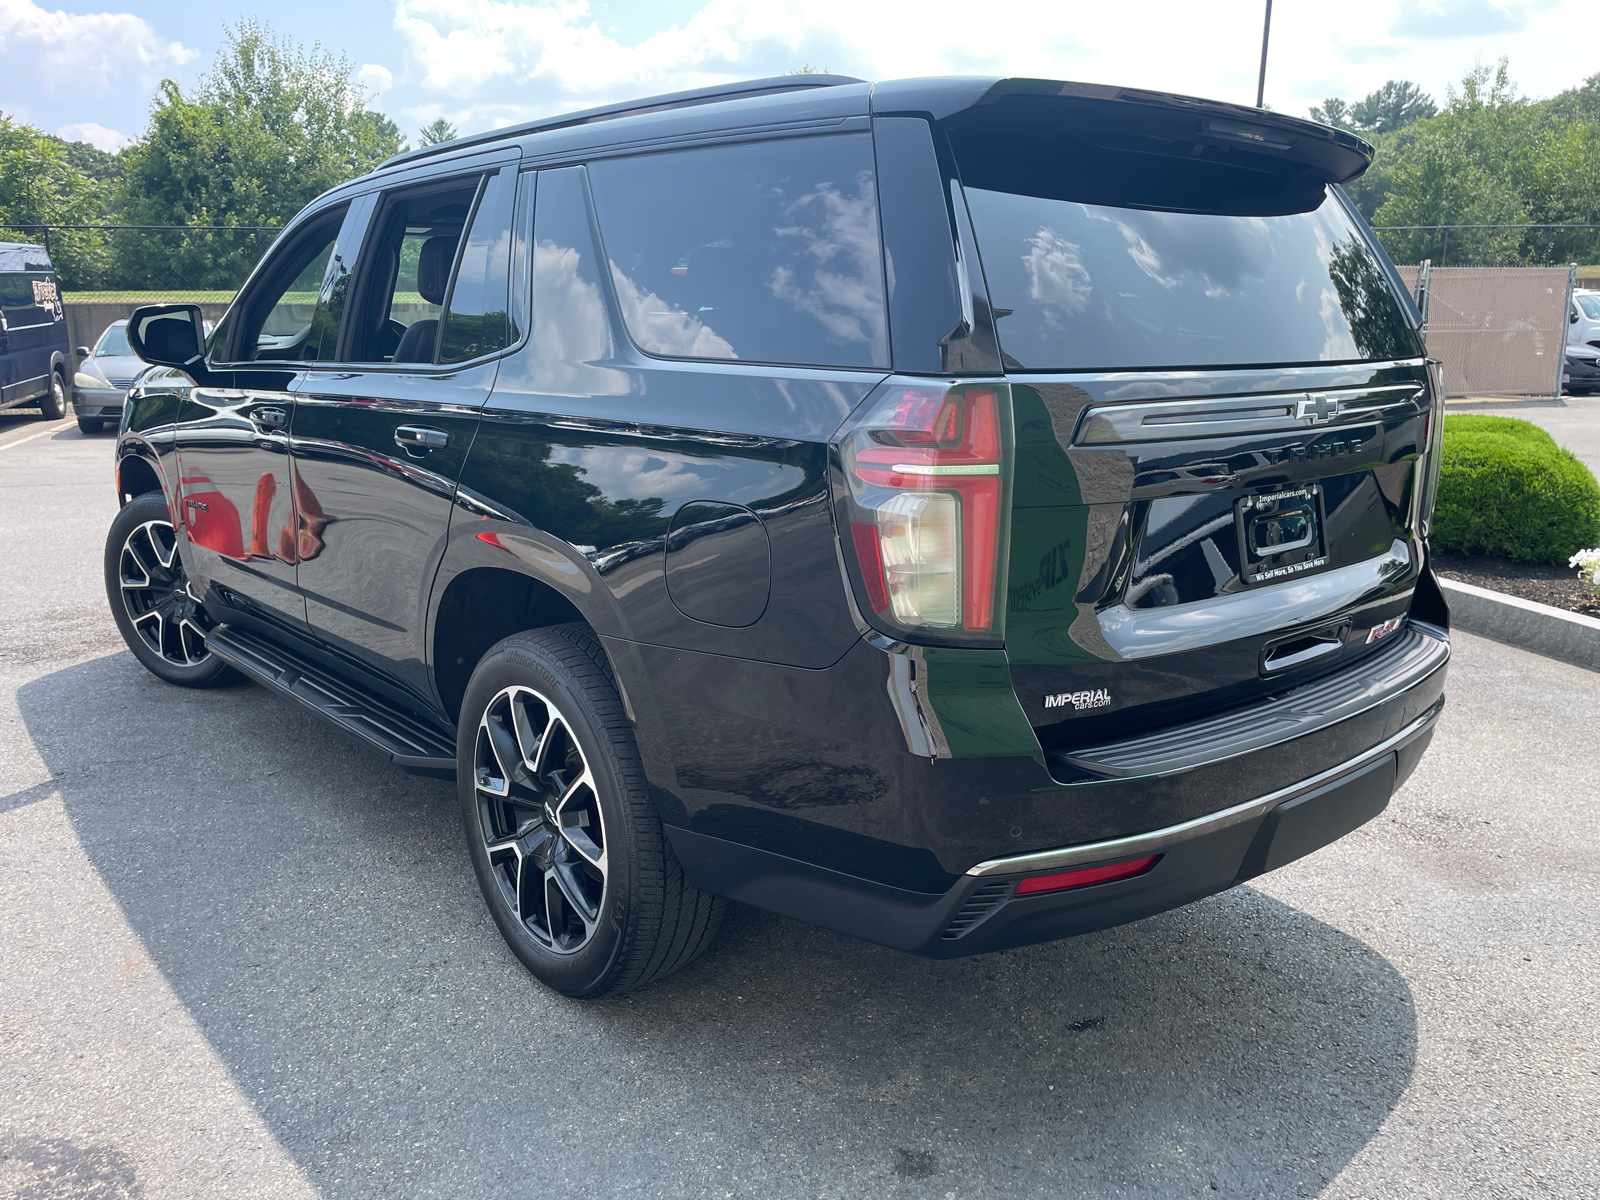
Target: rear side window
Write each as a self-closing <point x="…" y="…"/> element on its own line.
<point x="406" y="270"/>
<point x="1092" y="286"/>
<point x="764" y="252"/>
<point x="475" y="320"/>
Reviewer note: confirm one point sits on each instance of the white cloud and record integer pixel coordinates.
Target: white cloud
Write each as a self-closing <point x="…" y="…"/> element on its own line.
<point x="80" y="51"/>
<point x="490" y="62"/>
<point x="97" y="136"/>
<point x="375" y="78"/>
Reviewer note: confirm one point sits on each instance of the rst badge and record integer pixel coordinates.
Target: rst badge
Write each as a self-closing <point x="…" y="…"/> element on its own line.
<point x="1090" y="698"/>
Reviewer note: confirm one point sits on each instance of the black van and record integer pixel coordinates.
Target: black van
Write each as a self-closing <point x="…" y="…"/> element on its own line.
<point x="959" y="513"/>
<point x="34" y="350"/>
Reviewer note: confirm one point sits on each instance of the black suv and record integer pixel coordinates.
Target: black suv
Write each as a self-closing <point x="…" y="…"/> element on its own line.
<point x="958" y="513"/>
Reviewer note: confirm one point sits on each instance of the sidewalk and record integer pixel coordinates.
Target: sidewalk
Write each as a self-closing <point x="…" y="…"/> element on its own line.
<point x="1574" y="421"/>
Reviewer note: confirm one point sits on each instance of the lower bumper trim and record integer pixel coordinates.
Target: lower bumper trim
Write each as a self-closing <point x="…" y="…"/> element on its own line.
<point x="1157" y="840"/>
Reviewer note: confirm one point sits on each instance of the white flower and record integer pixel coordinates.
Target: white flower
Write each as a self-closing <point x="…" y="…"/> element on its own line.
<point x="1588" y="564"/>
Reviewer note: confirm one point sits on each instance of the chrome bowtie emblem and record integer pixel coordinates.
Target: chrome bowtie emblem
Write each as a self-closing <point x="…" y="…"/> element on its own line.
<point x="1317" y="407"/>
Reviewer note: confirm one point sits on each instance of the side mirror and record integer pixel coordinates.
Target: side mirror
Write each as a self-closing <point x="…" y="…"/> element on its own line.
<point x="1572" y="317"/>
<point x="82" y="352"/>
<point x="169" y="335"/>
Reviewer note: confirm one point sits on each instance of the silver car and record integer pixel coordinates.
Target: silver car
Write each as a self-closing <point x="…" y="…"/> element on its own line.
<point x="103" y="378"/>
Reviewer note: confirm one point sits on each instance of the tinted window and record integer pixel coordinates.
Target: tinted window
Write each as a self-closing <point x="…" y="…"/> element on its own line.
<point x="475" y="322"/>
<point x="28" y="298"/>
<point x="113" y="343"/>
<point x="406" y="272"/>
<point x="1092" y="286"/>
<point x="571" y="330"/>
<point x="283" y="321"/>
<point x="766" y="252"/>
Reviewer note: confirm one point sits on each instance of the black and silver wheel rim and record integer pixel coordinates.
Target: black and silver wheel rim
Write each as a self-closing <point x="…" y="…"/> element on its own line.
<point x="155" y="593"/>
<point x="539" y="817"/>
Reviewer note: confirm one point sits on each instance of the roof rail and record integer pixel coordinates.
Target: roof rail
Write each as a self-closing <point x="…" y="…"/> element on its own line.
<point x="630" y="108"/>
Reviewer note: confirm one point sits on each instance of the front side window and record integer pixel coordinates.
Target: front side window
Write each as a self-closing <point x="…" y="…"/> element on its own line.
<point x="281" y="320"/>
<point x="1590" y="306"/>
<point x="763" y="252"/>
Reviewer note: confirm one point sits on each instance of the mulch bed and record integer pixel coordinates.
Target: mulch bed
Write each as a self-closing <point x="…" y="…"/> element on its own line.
<point x="1559" y="587"/>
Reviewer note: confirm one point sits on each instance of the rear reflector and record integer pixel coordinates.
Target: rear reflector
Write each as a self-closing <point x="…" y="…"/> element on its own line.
<point x="1086" y="876"/>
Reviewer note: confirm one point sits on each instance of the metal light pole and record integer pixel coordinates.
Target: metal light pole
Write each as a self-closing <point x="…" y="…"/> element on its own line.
<point x="1266" y="30"/>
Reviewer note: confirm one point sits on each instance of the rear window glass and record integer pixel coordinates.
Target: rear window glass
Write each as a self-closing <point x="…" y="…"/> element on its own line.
<point x="764" y="252"/>
<point x="1095" y="287"/>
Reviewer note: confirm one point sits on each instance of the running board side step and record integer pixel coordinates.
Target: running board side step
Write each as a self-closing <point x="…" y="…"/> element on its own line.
<point x="409" y="740"/>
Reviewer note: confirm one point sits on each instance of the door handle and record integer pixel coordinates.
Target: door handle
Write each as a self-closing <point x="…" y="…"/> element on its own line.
<point x="420" y="437"/>
<point x="272" y="418"/>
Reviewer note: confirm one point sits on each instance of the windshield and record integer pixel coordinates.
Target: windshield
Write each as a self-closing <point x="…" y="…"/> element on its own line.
<point x="114" y="343"/>
<point x="1590" y="306"/>
<point x="1093" y="287"/>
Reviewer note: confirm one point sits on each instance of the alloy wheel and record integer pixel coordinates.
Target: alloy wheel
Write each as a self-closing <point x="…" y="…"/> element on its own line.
<point x="539" y="818"/>
<point x="155" y="592"/>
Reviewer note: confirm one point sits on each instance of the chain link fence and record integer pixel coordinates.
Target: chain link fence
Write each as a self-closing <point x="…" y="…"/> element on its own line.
<point x="1449" y="246"/>
<point x="140" y="264"/>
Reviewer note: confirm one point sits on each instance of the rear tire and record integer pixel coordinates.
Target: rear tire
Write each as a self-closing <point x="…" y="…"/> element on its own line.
<point x="53" y="404"/>
<point x="148" y="589"/>
<point x="88" y="425"/>
<point x="570" y="855"/>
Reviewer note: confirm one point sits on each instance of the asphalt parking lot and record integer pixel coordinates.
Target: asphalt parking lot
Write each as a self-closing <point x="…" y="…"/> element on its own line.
<point x="241" y="957"/>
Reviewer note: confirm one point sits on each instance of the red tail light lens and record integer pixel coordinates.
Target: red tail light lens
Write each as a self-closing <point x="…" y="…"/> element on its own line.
<point x="927" y="469"/>
<point x="1085" y="876"/>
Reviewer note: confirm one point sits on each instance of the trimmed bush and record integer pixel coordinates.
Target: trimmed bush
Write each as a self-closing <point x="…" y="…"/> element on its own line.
<point x="1506" y="488"/>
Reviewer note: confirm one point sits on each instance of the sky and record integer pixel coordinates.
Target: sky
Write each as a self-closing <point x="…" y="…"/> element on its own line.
<point x="88" y="72"/>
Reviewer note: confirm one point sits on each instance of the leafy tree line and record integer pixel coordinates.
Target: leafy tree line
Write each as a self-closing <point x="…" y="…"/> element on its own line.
<point x="268" y="128"/>
<point x="1489" y="157"/>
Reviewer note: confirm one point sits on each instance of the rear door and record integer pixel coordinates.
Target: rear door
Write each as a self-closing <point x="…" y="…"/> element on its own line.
<point x="380" y="437"/>
<point x="1220" y="405"/>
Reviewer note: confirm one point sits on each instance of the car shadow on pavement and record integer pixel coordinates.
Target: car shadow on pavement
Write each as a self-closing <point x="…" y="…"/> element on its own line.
<point x="314" y="910"/>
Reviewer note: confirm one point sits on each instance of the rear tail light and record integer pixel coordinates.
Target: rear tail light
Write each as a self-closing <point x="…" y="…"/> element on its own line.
<point x="926" y="470"/>
<point x="1084" y="876"/>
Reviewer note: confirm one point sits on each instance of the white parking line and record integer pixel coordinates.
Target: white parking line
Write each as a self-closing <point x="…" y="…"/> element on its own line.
<point x="30" y="437"/>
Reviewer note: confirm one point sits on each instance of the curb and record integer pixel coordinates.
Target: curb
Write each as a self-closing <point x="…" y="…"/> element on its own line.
<point x="1567" y="636"/>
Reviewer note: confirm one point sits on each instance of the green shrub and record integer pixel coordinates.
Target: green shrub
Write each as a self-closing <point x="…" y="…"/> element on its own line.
<point x="1506" y="488"/>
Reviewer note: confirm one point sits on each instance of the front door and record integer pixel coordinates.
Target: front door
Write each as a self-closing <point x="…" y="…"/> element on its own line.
<point x="247" y="519"/>
<point x="380" y="439"/>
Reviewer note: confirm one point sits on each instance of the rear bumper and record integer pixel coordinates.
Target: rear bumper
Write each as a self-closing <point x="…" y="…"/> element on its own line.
<point x="982" y="912"/>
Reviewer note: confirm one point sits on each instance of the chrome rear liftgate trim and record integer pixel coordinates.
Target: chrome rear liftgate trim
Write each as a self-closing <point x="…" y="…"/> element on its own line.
<point x="1160" y="839"/>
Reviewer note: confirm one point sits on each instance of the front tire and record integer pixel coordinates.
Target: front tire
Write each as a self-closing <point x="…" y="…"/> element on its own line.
<point x="157" y="615"/>
<point x="566" y="844"/>
<point x="53" y="405"/>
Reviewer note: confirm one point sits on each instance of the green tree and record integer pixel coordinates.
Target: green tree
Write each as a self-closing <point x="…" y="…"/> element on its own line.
<point x="435" y="132"/>
<point x="270" y="127"/>
<point x="39" y="185"/>
<point x="1334" y="111"/>
<point x="1393" y="106"/>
